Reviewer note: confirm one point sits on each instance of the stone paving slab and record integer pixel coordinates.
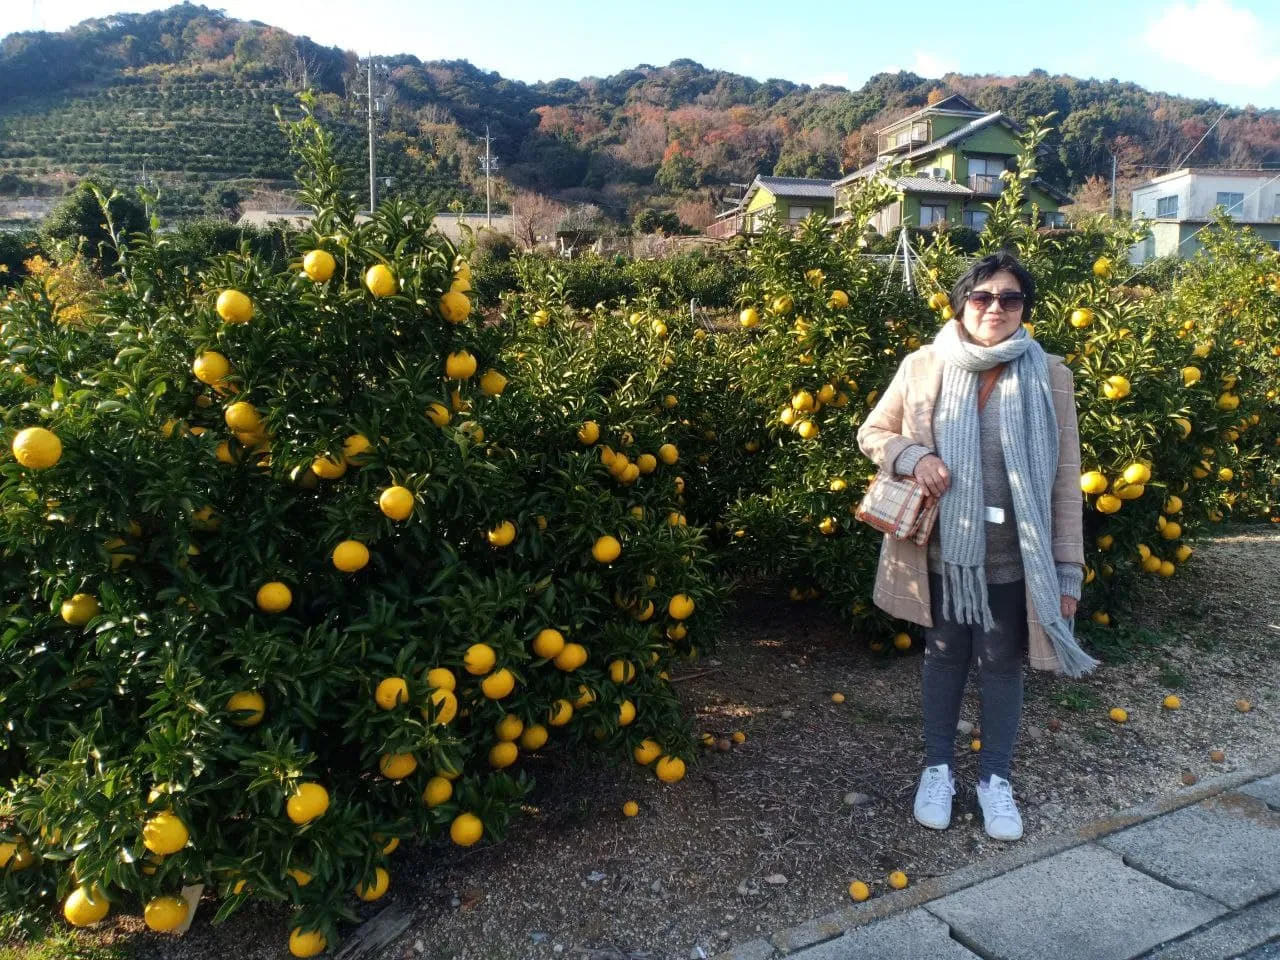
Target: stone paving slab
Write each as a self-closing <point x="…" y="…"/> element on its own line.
<point x="1267" y="790"/>
<point x="908" y="936"/>
<point x="1228" y="937"/>
<point x="1227" y="848"/>
<point x="1083" y="904"/>
<point x="1270" y="951"/>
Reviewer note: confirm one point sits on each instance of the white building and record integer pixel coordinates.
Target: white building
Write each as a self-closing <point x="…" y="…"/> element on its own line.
<point x="1180" y="204"/>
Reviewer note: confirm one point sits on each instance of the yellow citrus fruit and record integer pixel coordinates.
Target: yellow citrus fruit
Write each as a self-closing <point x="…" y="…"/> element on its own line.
<point x="837" y="697"/>
<point x="242" y="417"/>
<point x="391" y="692"/>
<point x="380" y="281"/>
<point x="782" y="304"/>
<point x="1226" y="474"/>
<point x="1101" y="618"/>
<point x="396" y="503"/>
<point x="1095" y="481"/>
<point x="86" y="906"/>
<point x="350" y="556"/>
<point x="1184" y="425"/>
<point x="1107" y="503"/>
<point x="669" y="454"/>
<point x="251" y="706"/>
<point x="479" y="659"/>
<point x="548" y="643"/>
<point x="560" y="713"/>
<point x="299" y="876"/>
<point x="647" y="752"/>
<point x="308" y="801"/>
<point x="503" y="755"/>
<point x="80" y="609"/>
<point x="1118" y="714"/>
<point x="15" y="856"/>
<point x="1171" y="531"/>
<point x="318" y="265"/>
<point x="859" y="891"/>
<point x="802" y="401"/>
<point x="1106" y="541"/>
<point x="310" y="943"/>
<point x="438" y="790"/>
<point x="509" y="727"/>
<point x="670" y="769"/>
<point x="571" y="657"/>
<point x="327" y="468"/>
<point x="439" y="414"/>
<point x="370" y="892"/>
<point x="589" y="433"/>
<point x="622" y="671"/>
<point x="630" y="808"/>
<point x="466" y="829"/>
<point x="1137" y="473"/>
<point x="902" y="641"/>
<point x="444" y="706"/>
<point x="37" y="448"/>
<point x="455" y="307"/>
<point x="838" y="299"/>
<point x="1116" y="388"/>
<point x="1171" y="702"/>
<point x="234" y="307"/>
<point x="274" y="597"/>
<point x="749" y="317"/>
<point x="1183" y="553"/>
<point x="165" y="833"/>
<point x="606" y="549"/>
<point x="680" y="607"/>
<point x="441" y="678"/>
<point x="460" y="365"/>
<point x="1173" y="505"/>
<point x="397" y="766"/>
<point x="586" y="696"/>
<point x="211" y="367"/>
<point x="1102" y="267"/>
<point x="1244" y="706"/>
<point x="498" y="684"/>
<point x="898" y="880"/>
<point x="534" y="737"/>
<point x="1081" y="317"/>
<point x="626" y="713"/>
<point x="502" y="535"/>
<point x="164" y="914"/>
<point x="493" y="383"/>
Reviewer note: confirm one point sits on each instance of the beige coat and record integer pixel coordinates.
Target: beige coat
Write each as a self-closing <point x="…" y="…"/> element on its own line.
<point x="904" y="416"/>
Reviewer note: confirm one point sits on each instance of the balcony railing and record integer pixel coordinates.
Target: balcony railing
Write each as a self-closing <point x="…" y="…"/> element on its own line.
<point x="986" y="184"/>
<point x="905" y="139"/>
<point x="725" y="228"/>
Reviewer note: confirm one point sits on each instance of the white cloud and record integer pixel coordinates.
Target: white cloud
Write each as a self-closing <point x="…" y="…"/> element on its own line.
<point x="931" y="65"/>
<point x="1216" y="40"/>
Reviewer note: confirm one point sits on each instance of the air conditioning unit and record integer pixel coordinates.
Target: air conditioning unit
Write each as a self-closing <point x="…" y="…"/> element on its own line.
<point x="926" y="173"/>
<point x="938" y="173"/>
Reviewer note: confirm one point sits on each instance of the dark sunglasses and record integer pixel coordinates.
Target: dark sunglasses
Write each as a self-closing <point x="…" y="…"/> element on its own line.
<point x="1013" y="300"/>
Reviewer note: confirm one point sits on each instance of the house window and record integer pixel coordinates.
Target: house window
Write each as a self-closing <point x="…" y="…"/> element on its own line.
<point x="986" y="166"/>
<point x="1167" y="206"/>
<point x="1055" y="219"/>
<point x="977" y="219"/>
<point x="799" y="213"/>
<point x="1234" y="202"/>
<point x="932" y="213"/>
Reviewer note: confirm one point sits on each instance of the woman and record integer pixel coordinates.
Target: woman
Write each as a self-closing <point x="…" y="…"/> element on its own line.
<point x="985" y="420"/>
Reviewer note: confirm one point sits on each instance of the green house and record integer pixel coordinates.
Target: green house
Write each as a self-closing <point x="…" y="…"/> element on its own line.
<point x="956" y="153"/>
<point x="786" y="200"/>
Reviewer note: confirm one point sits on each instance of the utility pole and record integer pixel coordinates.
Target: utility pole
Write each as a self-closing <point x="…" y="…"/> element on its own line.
<point x="1113" y="186"/>
<point x="373" y="165"/>
<point x="489" y="163"/>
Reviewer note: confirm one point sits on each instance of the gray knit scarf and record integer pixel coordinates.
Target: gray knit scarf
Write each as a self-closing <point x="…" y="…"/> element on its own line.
<point x="1029" y="436"/>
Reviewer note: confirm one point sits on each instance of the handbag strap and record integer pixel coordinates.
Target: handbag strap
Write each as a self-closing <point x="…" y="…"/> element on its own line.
<point x="988" y="380"/>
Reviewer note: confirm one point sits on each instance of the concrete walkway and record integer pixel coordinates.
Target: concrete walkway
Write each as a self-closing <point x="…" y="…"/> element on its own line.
<point x="1193" y="877"/>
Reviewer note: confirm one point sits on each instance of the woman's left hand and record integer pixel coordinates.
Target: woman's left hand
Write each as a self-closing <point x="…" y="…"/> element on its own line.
<point x="1069" y="605"/>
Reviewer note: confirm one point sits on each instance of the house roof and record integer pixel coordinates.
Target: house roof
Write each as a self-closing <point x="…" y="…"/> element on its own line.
<point x="954" y="104"/>
<point x="1210" y="172"/>
<point x="930" y="185"/>
<point x="804" y="187"/>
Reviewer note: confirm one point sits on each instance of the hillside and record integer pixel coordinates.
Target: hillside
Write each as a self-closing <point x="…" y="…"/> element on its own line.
<point x="190" y="94"/>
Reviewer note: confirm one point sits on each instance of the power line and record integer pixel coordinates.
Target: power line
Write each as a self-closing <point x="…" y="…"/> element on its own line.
<point x="1201" y="140"/>
<point x="488" y="163"/>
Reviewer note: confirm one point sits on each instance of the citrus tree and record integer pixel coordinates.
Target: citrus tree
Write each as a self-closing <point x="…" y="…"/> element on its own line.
<point x="298" y="565"/>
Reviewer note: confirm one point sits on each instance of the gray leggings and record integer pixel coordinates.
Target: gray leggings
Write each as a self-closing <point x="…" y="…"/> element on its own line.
<point x="949" y="647"/>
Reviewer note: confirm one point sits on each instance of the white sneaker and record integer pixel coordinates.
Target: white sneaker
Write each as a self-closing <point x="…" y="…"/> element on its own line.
<point x="999" y="812"/>
<point x="933" y="797"/>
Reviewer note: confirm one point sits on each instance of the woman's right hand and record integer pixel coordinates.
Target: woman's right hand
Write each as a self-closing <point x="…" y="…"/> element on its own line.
<point x="932" y="474"/>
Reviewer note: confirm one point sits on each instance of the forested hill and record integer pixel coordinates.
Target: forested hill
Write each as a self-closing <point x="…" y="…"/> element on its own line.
<point x="189" y="94"/>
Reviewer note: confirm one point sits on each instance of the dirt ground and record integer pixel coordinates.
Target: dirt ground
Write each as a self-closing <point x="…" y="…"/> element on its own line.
<point x="770" y="832"/>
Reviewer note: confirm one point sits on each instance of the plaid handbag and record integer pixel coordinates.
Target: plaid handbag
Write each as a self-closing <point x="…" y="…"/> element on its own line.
<point x="899" y="508"/>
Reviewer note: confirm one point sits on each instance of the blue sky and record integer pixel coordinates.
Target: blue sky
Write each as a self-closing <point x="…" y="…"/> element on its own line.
<point x="1225" y="49"/>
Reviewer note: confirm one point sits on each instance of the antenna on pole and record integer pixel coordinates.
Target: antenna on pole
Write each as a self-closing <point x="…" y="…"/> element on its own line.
<point x="488" y="163"/>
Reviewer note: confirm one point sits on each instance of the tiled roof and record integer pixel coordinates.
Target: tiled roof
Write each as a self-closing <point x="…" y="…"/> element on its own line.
<point x="797" y="187"/>
<point x="933" y="146"/>
<point x="930" y="185"/>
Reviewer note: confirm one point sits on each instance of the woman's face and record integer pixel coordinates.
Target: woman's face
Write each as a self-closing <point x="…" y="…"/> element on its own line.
<point x="990" y="324"/>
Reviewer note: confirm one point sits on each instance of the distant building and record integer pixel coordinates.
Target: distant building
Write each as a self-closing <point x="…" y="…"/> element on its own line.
<point x="957" y="154"/>
<point x="1180" y="204"/>
<point x="452" y="225"/>
<point x="785" y="200"/>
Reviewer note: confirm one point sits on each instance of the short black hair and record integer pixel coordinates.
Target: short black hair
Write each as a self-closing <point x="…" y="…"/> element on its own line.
<point x="988" y="267"/>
